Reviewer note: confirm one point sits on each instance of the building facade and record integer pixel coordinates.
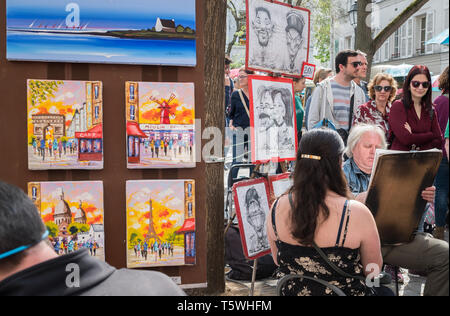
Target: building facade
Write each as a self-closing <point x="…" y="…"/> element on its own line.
<point x="407" y="44"/>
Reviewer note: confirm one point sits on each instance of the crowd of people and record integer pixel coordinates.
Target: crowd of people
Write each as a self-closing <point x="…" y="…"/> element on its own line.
<point x="157" y="249"/>
<point x="343" y="123"/>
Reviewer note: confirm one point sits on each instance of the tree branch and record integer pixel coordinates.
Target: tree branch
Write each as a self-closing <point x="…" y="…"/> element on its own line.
<point x="397" y="23"/>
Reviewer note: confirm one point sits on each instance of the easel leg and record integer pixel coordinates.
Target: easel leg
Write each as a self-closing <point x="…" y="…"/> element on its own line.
<point x="252" y="289"/>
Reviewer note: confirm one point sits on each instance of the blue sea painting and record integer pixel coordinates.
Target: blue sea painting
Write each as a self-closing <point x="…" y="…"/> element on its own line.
<point x="143" y="32"/>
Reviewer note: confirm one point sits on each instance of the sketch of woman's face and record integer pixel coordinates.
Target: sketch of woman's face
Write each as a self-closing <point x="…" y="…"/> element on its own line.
<point x="279" y="109"/>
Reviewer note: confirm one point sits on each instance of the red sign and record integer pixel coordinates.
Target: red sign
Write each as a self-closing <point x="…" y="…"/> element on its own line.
<point x="308" y="71"/>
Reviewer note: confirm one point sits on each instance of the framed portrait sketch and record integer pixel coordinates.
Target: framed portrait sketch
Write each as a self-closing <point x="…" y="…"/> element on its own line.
<point x="278" y="36"/>
<point x="252" y="206"/>
<point x="272" y="118"/>
<point x="280" y="183"/>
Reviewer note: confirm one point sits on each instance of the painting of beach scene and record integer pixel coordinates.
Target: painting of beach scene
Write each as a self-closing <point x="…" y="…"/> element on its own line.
<point x="160" y="125"/>
<point x="143" y="32"/>
<point x="73" y="215"/>
<point x="65" y="124"/>
<point x="160" y="223"/>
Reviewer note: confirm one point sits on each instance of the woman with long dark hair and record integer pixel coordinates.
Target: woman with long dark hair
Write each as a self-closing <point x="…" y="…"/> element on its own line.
<point x="317" y="213"/>
<point x="413" y="121"/>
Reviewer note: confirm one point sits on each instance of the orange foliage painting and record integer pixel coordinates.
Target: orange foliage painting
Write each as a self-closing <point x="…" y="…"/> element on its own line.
<point x="160" y="124"/>
<point x="157" y="211"/>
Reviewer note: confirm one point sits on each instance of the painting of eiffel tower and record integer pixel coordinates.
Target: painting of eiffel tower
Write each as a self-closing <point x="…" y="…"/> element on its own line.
<point x="151" y="226"/>
<point x="160" y="223"/>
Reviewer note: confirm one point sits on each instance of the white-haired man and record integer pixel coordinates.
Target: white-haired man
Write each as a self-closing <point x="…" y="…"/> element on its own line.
<point x="424" y="252"/>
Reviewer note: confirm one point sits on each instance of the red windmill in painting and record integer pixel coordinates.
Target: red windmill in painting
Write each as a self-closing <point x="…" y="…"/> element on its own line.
<point x="166" y="108"/>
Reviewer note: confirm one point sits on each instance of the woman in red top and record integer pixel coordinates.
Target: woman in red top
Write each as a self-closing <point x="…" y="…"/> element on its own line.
<point x="413" y="121"/>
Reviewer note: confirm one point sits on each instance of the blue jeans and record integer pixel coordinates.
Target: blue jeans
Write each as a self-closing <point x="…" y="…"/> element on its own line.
<point x="442" y="186"/>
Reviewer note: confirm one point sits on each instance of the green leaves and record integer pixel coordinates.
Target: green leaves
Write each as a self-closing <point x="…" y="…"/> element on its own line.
<point x="41" y="91"/>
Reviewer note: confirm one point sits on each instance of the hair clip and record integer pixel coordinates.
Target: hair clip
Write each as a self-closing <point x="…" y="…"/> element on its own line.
<point x="310" y="157"/>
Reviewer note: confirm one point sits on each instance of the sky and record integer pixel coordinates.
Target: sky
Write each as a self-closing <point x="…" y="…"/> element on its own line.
<point x="112" y="14"/>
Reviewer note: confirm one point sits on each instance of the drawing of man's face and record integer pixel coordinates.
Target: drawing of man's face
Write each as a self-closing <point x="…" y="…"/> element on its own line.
<point x="255" y="215"/>
<point x="263" y="26"/>
<point x="294" y="30"/>
<point x="294" y="41"/>
<point x="265" y="107"/>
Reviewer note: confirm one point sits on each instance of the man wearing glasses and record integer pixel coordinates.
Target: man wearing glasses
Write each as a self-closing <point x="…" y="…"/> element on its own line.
<point x="362" y="73"/>
<point x="337" y="98"/>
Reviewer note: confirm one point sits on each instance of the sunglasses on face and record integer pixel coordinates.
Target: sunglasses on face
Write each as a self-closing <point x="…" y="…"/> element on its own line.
<point x="385" y="88"/>
<point x="356" y="64"/>
<point x="416" y="84"/>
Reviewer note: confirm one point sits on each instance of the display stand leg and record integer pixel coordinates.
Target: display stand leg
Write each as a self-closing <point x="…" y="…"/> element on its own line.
<point x="252" y="289"/>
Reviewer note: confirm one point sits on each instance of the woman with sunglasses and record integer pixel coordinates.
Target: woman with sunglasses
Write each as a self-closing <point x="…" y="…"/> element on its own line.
<point x="413" y="121"/>
<point x="382" y="90"/>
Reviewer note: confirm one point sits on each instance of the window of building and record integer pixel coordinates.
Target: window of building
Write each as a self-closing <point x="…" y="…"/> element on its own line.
<point x="429" y="31"/>
<point x="396" y="52"/>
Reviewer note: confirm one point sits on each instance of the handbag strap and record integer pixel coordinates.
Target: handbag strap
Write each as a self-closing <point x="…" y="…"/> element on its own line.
<point x="243" y="102"/>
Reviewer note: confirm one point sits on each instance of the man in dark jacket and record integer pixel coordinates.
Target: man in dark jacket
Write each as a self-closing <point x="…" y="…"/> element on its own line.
<point x="29" y="265"/>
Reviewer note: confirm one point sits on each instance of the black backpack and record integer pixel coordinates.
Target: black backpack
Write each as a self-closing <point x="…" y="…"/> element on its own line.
<point x="241" y="268"/>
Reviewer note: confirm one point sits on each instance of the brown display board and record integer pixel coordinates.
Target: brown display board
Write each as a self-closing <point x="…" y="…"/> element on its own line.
<point x="13" y="138"/>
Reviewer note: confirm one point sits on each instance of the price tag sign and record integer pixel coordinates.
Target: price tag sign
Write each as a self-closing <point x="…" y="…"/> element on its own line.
<point x="308" y="71"/>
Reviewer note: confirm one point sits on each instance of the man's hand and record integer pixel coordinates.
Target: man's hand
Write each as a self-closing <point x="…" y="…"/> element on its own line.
<point x="429" y="193"/>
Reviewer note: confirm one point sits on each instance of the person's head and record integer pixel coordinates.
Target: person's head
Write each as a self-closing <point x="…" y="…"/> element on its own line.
<point x="263" y="25"/>
<point x="382" y="88"/>
<point x="443" y="81"/>
<point x="299" y="84"/>
<point x="318" y="170"/>
<point x="347" y="64"/>
<point x="228" y="62"/>
<point x="243" y="77"/>
<point x="294" y="32"/>
<point x="21" y="227"/>
<point x="321" y="75"/>
<point x="362" y="70"/>
<point x="417" y="86"/>
<point x="282" y="106"/>
<point x="362" y="142"/>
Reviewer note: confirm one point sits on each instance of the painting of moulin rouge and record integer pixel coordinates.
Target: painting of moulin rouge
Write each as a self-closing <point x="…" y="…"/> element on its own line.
<point x="160" y="125"/>
<point x="156" y="32"/>
<point x="64" y="124"/>
<point x="72" y="213"/>
<point x="160" y="223"/>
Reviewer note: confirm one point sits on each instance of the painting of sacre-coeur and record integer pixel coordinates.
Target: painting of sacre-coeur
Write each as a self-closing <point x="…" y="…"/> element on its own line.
<point x="65" y="124"/>
<point x="251" y="200"/>
<point x="272" y="116"/>
<point x="278" y="37"/>
<point x="160" y="223"/>
<point x="73" y="214"/>
<point x="160" y="127"/>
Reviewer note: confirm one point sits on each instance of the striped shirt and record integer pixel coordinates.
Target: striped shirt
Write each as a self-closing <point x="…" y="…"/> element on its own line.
<point x="341" y="105"/>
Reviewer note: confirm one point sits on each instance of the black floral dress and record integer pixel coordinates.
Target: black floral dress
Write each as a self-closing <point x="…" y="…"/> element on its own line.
<point x="301" y="260"/>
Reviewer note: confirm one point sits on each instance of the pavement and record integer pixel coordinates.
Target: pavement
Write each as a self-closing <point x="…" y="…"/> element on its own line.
<point x="413" y="285"/>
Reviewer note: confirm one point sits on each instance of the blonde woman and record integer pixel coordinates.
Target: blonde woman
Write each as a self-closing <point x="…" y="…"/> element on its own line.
<point x="382" y="90"/>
